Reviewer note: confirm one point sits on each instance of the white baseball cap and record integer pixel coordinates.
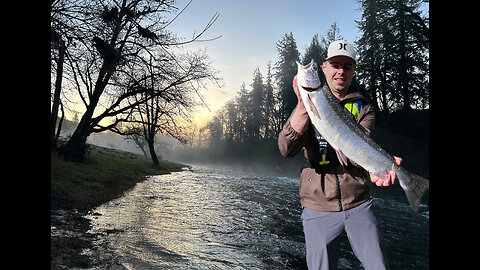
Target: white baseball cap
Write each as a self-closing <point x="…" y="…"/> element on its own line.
<point x="341" y="47"/>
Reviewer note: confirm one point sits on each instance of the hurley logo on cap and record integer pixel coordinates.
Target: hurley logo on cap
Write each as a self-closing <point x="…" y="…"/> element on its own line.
<point x="341" y="48"/>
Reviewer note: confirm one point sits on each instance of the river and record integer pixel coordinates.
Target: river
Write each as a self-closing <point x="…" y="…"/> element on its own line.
<point x="218" y="218"/>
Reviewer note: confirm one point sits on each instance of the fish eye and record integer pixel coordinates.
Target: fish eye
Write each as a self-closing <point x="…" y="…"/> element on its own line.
<point x="315" y="67"/>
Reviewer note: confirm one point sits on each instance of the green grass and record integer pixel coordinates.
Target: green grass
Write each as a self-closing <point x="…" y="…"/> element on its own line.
<point x="105" y="175"/>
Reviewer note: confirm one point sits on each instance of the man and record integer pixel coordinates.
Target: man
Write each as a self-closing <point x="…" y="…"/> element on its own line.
<point x="335" y="198"/>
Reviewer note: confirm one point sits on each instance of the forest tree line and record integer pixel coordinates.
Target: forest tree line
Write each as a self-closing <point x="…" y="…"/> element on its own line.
<point x="392" y="73"/>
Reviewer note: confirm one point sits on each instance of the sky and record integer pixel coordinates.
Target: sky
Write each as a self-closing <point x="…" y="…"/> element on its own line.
<point x="249" y="31"/>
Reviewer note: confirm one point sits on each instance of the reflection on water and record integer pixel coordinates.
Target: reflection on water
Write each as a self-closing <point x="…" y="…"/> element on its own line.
<point x="211" y="218"/>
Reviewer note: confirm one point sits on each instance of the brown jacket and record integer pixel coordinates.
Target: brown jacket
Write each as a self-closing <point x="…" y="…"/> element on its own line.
<point x="329" y="187"/>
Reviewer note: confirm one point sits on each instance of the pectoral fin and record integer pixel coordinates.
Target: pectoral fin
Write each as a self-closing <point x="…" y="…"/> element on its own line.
<point x="313" y="108"/>
<point x="341" y="157"/>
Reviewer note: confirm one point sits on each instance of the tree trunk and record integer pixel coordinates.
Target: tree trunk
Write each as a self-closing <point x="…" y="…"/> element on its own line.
<point x="156" y="164"/>
<point x="402" y="67"/>
<point x="56" y="95"/>
<point x="76" y="147"/>
<point x="383" y="91"/>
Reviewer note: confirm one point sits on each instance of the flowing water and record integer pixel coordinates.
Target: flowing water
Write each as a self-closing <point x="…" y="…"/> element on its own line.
<point x="216" y="218"/>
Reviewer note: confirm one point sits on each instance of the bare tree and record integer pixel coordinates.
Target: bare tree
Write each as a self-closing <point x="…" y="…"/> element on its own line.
<point x="115" y="40"/>
<point x="61" y="39"/>
<point x="59" y="45"/>
<point x="133" y="134"/>
<point x="166" y="100"/>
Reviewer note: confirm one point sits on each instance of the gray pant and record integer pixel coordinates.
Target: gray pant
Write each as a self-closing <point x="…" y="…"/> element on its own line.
<point x="322" y="231"/>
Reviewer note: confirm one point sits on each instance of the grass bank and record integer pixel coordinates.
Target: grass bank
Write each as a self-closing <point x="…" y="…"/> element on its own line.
<point x="105" y="175"/>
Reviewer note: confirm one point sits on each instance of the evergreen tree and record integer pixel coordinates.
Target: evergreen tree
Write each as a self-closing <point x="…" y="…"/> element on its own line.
<point x="332" y="35"/>
<point x="269" y="107"/>
<point x="243" y="110"/>
<point x="393" y="54"/>
<point x="316" y="52"/>
<point x="286" y="69"/>
<point x="257" y="104"/>
<point x="371" y="57"/>
<point x="216" y="131"/>
<point x="231" y="122"/>
<point x="411" y="43"/>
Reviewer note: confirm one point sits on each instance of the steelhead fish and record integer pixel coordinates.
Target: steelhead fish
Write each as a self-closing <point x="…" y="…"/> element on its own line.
<point x="348" y="138"/>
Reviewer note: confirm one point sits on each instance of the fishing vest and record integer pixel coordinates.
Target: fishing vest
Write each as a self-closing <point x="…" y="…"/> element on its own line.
<point x="354" y="108"/>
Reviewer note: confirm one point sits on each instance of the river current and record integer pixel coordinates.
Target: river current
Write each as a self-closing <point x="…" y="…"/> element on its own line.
<point x="218" y="218"/>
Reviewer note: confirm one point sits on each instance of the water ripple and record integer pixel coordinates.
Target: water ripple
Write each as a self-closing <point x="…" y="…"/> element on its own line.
<point x="215" y="218"/>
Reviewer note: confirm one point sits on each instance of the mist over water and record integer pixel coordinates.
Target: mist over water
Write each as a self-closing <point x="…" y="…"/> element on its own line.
<point x="219" y="218"/>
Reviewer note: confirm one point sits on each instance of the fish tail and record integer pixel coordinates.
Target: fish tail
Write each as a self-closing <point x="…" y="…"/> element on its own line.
<point x="415" y="189"/>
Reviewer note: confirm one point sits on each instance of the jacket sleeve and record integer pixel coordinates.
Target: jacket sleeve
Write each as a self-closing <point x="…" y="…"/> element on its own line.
<point x="367" y="119"/>
<point x="290" y="142"/>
